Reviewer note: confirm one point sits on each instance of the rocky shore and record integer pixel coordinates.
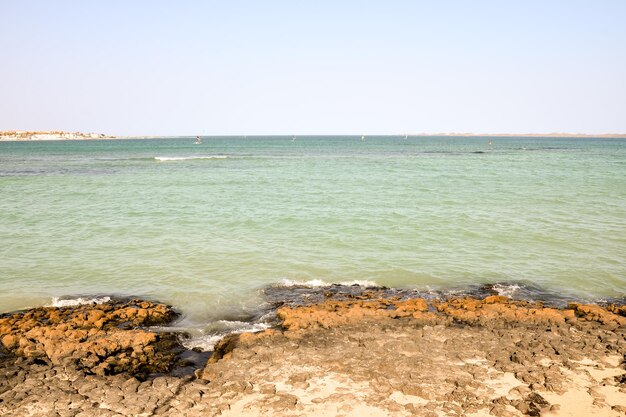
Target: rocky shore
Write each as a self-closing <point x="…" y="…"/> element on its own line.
<point x="364" y="354"/>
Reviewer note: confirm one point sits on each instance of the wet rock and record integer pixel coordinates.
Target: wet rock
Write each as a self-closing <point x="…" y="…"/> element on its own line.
<point x="597" y="313"/>
<point x="90" y="336"/>
<point x="399" y="355"/>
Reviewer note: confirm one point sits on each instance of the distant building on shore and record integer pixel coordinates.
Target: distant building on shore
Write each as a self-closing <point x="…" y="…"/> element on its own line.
<point x="49" y="135"/>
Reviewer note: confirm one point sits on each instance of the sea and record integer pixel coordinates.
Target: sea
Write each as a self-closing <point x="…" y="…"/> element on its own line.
<point x="213" y="228"/>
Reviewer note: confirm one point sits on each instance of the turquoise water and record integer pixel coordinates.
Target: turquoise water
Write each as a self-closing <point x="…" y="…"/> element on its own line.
<point x="205" y="227"/>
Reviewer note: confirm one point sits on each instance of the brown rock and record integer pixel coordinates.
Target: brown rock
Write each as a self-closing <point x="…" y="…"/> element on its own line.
<point x="90" y="335"/>
<point x="10" y="341"/>
<point x="493" y="299"/>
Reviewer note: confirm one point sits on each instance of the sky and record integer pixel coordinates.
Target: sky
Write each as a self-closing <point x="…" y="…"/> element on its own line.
<point x="236" y="67"/>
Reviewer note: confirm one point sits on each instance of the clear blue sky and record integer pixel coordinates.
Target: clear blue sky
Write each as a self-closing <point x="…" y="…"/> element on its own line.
<point x="313" y="67"/>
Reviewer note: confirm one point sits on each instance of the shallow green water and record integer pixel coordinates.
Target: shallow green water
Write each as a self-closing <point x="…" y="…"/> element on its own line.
<point x="128" y="217"/>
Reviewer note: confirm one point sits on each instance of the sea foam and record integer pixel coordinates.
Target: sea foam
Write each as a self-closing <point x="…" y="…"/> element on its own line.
<point x="207" y="342"/>
<point x="321" y="283"/>
<point x="507" y="290"/>
<point x="70" y="302"/>
<point x="187" y="158"/>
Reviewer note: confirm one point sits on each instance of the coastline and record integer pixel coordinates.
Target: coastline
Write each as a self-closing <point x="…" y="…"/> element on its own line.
<point x="371" y="352"/>
<point x="415" y="135"/>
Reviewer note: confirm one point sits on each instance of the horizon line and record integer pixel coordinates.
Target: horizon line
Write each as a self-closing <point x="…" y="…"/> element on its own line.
<point x="421" y="134"/>
<point x="9" y="133"/>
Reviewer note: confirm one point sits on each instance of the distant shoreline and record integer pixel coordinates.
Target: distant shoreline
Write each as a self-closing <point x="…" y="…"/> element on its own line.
<point x="44" y="136"/>
<point x="40" y="135"/>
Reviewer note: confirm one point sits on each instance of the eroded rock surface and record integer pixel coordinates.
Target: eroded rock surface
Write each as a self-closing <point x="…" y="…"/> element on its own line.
<point x="454" y="357"/>
<point x="364" y="356"/>
<point x="102" y="339"/>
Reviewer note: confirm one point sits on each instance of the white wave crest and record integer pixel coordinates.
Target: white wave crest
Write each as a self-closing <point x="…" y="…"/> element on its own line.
<point x="187" y="158"/>
<point x="204" y="343"/>
<point x="506" y="290"/>
<point x="312" y="283"/>
<point x="207" y="342"/>
<point x="320" y="283"/>
<point x="70" y="302"/>
<point x="360" y="282"/>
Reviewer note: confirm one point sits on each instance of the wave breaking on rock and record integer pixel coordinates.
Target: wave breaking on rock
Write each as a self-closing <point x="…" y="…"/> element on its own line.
<point x="332" y="349"/>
